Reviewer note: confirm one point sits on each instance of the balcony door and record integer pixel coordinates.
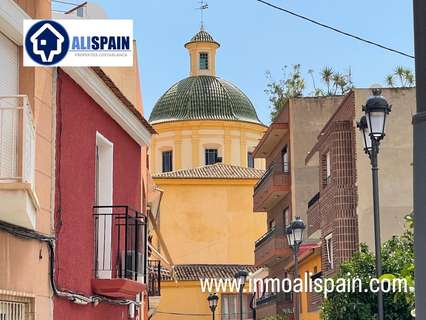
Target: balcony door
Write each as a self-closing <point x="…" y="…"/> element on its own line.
<point x="103" y="193"/>
<point x="9" y="124"/>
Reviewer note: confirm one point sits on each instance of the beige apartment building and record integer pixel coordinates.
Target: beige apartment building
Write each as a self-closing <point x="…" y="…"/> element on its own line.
<point x="341" y="213"/>
<point x="25" y="170"/>
<point x="284" y="191"/>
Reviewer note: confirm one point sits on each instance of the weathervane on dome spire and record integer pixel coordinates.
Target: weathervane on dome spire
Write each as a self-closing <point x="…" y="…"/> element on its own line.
<point x="203" y="6"/>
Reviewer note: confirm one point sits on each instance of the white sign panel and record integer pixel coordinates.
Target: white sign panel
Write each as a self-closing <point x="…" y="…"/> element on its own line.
<point x="78" y="43"/>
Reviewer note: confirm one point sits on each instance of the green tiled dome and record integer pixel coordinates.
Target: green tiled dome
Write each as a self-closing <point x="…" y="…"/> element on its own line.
<point x="203" y="98"/>
<point x="202" y="36"/>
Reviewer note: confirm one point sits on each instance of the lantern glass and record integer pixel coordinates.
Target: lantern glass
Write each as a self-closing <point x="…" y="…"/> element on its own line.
<point x="290" y="236"/>
<point x="213" y="301"/>
<point x="376" y="122"/>
<point x="367" y="138"/>
<point x="298" y="235"/>
<point x="241" y="277"/>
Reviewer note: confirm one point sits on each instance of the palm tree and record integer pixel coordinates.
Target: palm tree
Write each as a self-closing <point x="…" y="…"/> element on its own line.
<point x="409" y="78"/>
<point x="404" y="75"/>
<point x="390" y="80"/>
<point x="311" y="72"/>
<point x="319" y="92"/>
<point x="400" y="73"/>
<point x="339" y="82"/>
<point x="327" y="75"/>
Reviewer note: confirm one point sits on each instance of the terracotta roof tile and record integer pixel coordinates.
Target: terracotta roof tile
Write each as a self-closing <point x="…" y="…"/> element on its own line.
<point x="194" y="272"/>
<point x="213" y="171"/>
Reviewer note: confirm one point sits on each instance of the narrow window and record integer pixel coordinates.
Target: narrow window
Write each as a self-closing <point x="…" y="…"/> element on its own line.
<point x="286" y="217"/>
<point x="167" y="161"/>
<point x="329" y="247"/>
<point x="211" y="156"/>
<point x="231" y="307"/>
<point x="328" y="167"/>
<point x="103" y="197"/>
<point x="250" y="160"/>
<point x="204" y="61"/>
<point x="284" y="157"/>
<point x="272" y="224"/>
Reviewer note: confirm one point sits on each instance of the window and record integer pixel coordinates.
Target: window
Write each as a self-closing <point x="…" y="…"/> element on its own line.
<point x="328" y="167"/>
<point x="250" y="160"/>
<point x="16" y="308"/>
<point x="231" y="307"/>
<point x="329" y="248"/>
<point x="167" y="161"/>
<point x="286" y="215"/>
<point x="204" y="61"/>
<point x="284" y="156"/>
<point x="211" y="156"/>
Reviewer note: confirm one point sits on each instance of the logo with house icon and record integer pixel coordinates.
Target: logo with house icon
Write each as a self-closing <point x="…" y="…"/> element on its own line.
<point x="47" y="42"/>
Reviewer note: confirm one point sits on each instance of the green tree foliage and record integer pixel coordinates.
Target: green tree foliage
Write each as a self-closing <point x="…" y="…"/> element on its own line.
<point x="398" y="262"/>
<point x="401" y="78"/>
<point x="292" y="85"/>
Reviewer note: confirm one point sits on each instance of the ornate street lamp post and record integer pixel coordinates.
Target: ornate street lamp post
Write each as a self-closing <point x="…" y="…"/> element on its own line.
<point x="213" y="299"/>
<point x="241" y="277"/>
<point x="294" y="234"/>
<point x="372" y="126"/>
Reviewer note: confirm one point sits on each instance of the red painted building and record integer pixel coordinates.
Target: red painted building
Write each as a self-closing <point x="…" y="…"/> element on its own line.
<point x="100" y="215"/>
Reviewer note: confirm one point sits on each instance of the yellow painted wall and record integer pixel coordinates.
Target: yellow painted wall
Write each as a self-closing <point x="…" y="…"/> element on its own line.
<point x="188" y="139"/>
<point x="209" y="221"/>
<point x="307" y="266"/>
<point x="184" y="297"/>
<point x="195" y="49"/>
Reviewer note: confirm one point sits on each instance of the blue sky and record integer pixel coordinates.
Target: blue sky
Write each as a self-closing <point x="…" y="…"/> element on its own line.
<point x="255" y="38"/>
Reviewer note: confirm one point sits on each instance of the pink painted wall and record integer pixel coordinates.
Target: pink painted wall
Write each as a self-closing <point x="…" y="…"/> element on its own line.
<point x="78" y="118"/>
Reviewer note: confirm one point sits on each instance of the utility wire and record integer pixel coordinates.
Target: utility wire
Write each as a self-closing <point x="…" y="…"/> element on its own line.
<point x="336" y="29"/>
<point x="66" y="2"/>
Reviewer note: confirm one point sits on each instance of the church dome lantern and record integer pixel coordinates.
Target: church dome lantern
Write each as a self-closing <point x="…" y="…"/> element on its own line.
<point x="203" y="95"/>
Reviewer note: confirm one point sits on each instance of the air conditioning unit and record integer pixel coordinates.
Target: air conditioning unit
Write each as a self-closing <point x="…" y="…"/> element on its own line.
<point x="128" y="265"/>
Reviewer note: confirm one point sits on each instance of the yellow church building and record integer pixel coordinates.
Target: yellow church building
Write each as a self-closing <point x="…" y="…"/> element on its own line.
<point x="202" y="160"/>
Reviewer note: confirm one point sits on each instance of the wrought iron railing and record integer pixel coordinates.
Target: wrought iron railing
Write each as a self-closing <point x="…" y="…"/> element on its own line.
<point x="269" y="297"/>
<point x="120" y="243"/>
<point x="265" y="237"/>
<point x="17" y="140"/>
<point x="154" y="278"/>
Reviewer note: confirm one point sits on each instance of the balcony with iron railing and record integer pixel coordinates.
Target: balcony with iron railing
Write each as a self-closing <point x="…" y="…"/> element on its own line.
<point x="154" y="286"/>
<point x="273" y="303"/>
<point x="120" y="251"/>
<point x="272" y="187"/>
<point x="271" y="248"/>
<point x="18" y="199"/>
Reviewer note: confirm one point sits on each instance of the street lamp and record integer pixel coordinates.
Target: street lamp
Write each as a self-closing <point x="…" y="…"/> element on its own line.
<point x="372" y="127"/>
<point x="294" y="234"/>
<point x="213" y="299"/>
<point x="241" y="277"/>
